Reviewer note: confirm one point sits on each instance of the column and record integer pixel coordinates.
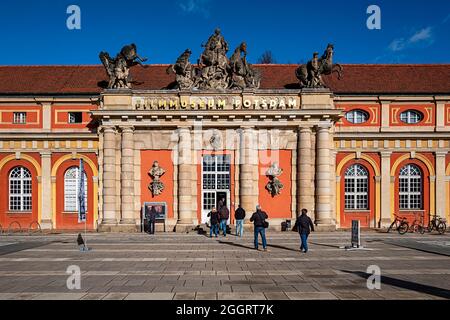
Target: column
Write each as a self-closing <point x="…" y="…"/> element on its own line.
<point x="385" y="189"/>
<point x="323" y="181"/>
<point x="46" y="185"/>
<point x="184" y="180"/>
<point x="440" y="116"/>
<point x="109" y="176"/>
<point x="385" y="116"/>
<point x="441" y="188"/>
<point x="248" y="178"/>
<point x="127" y="176"/>
<point x="305" y="192"/>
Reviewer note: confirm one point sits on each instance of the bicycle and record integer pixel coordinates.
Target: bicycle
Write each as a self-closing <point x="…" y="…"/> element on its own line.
<point x="417" y="225"/>
<point x="400" y="224"/>
<point x="438" y="224"/>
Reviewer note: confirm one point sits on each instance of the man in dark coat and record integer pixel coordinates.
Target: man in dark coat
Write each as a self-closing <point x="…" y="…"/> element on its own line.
<point x="258" y="218"/>
<point x="214" y="220"/>
<point x="151" y="220"/>
<point x="224" y="216"/>
<point x="239" y="216"/>
<point x="304" y="226"/>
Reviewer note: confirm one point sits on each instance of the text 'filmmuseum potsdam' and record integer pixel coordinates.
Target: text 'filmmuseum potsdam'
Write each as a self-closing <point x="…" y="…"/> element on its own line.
<point x="347" y="142"/>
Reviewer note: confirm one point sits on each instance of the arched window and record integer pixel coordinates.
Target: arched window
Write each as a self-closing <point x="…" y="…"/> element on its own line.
<point x="20" y="190"/>
<point x="357" y="116"/>
<point x="71" y="189"/>
<point x="410" y="192"/>
<point x="356" y="188"/>
<point x="411" y="117"/>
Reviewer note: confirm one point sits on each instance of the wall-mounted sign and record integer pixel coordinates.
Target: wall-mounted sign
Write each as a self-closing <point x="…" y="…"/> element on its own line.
<point x="216" y="103"/>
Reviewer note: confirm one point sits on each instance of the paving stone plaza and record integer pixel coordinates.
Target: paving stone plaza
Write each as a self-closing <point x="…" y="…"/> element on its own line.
<point x="195" y="267"/>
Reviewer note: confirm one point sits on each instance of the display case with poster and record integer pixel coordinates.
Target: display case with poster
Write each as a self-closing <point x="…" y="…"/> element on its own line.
<point x="160" y="210"/>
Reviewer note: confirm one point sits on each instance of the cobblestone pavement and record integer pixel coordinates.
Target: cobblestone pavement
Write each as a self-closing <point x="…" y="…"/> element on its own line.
<point x="187" y="267"/>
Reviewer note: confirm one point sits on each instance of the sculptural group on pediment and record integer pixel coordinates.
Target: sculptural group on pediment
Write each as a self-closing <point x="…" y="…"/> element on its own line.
<point x="214" y="70"/>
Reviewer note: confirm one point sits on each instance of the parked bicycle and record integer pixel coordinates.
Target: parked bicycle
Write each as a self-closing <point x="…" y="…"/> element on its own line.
<point x="400" y="224"/>
<point x="437" y="223"/>
<point x="418" y="224"/>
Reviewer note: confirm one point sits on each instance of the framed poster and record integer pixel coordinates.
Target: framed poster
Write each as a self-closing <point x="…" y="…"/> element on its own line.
<point x="158" y="208"/>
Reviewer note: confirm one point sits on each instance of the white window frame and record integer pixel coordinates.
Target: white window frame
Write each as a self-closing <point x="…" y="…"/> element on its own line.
<point x="20" y="117"/>
<point x="357" y="116"/>
<point x="214" y="173"/>
<point x="356" y="177"/>
<point x="71" y="192"/>
<point x="409" y="117"/>
<point x="408" y="177"/>
<point x="25" y="177"/>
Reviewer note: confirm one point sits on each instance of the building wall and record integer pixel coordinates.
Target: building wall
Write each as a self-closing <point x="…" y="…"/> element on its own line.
<point x="48" y="145"/>
<point x="279" y="206"/>
<point x="164" y="157"/>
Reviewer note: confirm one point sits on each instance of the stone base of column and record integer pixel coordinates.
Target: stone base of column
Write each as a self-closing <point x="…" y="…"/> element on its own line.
<point x="118" y="228"/>
<point x="385" y="223"/>
<point x="46" y="225"/>
<point x="184" y="228"/>
<point x="325" y="228"/>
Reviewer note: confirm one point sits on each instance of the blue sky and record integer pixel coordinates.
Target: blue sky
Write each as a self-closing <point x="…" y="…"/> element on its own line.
<point x="35" y="33"/>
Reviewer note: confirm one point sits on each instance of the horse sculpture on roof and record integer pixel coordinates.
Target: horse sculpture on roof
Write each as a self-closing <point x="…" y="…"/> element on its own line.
<point x="118" y="69"/>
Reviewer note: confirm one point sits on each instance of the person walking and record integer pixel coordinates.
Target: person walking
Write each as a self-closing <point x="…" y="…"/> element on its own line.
<point x="214" y="220"/>
<point x="224" y="216"/>
<point x="259" y="220"/>
<point x="239" y="216"/>
<point x="304" y="226"/>
<point x="151" y="220"/>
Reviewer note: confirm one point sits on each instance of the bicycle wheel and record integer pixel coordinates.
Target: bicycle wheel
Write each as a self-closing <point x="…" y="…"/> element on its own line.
<point x="430" y="226"/>
<point x="393" y="226"/>
<point x="404" y="227"/>
<point x="441" y="228"/>
<point x="421" y="229"/>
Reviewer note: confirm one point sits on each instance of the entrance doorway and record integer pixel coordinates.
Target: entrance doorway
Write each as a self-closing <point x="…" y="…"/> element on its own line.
<point x="216" y="183"/>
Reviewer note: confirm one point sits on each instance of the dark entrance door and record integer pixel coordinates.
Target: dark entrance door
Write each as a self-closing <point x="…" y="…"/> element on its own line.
<point x="221" y="196"/>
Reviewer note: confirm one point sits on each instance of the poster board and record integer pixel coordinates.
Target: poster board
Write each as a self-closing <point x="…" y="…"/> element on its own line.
<point x="356" y="234"/>
<point x="161" y="213"/>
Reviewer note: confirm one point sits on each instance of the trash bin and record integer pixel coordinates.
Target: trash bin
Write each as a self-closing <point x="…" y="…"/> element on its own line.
<point x="283" y="227"/>
<point x="288" y="224"/>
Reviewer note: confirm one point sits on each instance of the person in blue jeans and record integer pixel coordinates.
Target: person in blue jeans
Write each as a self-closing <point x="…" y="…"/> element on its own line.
<point x="239" y="217"/>
<point x="224" y="214"/>
<point x="258" y="218"/>
<point x="214" y="220"/>
<point x="304" y="226"/>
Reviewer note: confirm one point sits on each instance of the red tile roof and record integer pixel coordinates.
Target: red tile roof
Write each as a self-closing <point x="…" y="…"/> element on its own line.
<point x="358" y="79"/>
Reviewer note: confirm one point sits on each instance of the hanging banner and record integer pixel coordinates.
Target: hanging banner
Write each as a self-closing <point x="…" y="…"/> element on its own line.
<point x="81" y="198"/>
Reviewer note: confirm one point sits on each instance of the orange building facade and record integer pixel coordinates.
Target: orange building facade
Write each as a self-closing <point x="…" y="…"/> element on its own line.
<point x="367" y="148"/>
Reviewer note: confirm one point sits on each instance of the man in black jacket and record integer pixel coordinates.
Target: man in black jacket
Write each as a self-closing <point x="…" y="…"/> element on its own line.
<point x="224" y="216"/>
<point x="215" y="219"/>
<point x="239" y="217"/>
<point x="151" y="220"/>
<point x="258" y="218"/>
<point x="304" y="226"/>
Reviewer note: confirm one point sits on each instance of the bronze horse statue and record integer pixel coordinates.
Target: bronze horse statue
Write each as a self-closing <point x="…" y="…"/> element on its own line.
<point x="118" y="69"/>
<point x="310" y="74"/>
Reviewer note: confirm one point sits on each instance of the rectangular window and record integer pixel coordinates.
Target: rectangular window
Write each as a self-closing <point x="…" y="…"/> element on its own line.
<point x="209" y="200"/>
<point x="75" y="117"/>
<point x="20" y="118"/>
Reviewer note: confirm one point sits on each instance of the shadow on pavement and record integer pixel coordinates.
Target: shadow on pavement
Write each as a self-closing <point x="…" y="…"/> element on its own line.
<point x="236" y="245"/>
<point x="325" y="245"/>
<point x="434" y="291"/>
